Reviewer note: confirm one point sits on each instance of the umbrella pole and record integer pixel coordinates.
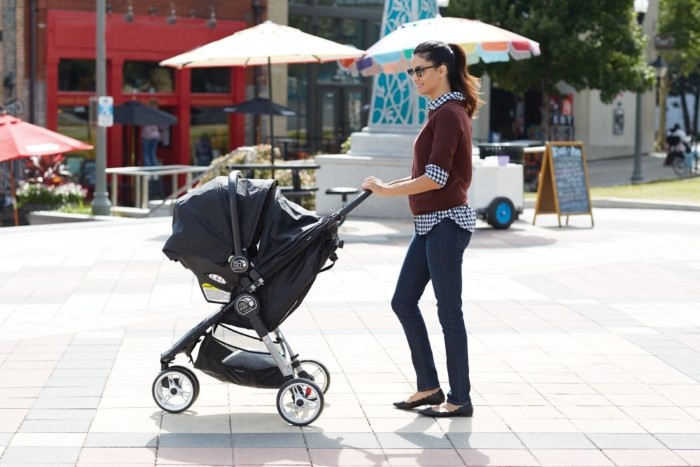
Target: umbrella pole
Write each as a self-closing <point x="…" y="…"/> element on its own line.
<point x="133" y="145"/>
<point x="272" y="131"/>
<point x="14" y="195"/>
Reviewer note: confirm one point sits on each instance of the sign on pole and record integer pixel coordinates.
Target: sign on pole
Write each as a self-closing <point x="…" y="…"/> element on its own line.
<point x="105" y="111"/>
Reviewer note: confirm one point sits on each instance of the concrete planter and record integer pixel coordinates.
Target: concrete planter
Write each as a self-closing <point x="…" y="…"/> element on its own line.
<point x="56" y="217"/>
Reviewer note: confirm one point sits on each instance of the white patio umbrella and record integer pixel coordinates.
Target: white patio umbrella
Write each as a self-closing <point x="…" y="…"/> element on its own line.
<point x="480" y="41"/>
<point x="265" y="44"/>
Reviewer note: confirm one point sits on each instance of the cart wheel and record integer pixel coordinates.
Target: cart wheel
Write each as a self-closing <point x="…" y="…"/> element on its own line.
<point x="679" y="166"/>
<point x="316" y="372"/>
<point x="500" y="213"/>
<point x="175" y="389"/>
<point x="300" y="401"/>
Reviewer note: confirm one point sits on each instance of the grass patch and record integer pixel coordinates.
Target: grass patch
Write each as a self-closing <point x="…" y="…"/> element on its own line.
<point x="683" y="189"/>
<point x="76" y="209"/>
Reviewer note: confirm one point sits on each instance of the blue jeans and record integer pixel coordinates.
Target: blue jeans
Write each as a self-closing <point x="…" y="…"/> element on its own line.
<point x="149" y="152"/>
<point x="437" y="257"/>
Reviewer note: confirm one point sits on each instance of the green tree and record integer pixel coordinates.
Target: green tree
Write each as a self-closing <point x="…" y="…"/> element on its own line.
<point x="679" y="25"/>
<point x="591" y="44"/>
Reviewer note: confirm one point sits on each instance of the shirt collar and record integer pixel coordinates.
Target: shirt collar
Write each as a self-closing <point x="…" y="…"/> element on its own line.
<point x="454" y="95"/>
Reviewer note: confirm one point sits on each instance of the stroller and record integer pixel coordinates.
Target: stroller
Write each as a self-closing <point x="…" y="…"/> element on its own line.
<point x="256" y="254"/>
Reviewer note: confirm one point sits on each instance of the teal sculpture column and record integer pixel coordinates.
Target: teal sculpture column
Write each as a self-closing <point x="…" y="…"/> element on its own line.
<point x="395" y="105"/>
<point x="385" y="146"/>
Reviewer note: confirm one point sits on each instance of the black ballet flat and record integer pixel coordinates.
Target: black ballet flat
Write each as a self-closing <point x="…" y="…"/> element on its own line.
<point x="433" y="399"/>
<point x="467" y="410"/>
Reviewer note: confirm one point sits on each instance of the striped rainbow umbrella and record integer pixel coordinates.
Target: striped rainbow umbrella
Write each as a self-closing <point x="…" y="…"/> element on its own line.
<point x="480" y="41"/>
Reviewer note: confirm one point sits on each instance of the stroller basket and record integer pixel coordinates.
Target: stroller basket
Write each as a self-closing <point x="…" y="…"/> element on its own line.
<point x="222" y="355"/>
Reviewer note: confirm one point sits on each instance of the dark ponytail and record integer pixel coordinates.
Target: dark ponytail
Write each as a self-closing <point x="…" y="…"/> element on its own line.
<point x="454" y="58"/>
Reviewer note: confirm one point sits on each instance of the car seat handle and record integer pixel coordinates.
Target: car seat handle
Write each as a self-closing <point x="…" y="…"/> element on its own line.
<point x="233" y="207"/>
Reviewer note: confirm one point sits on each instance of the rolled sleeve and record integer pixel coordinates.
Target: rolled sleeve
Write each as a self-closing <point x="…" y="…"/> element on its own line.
<point x="436" y="174"/>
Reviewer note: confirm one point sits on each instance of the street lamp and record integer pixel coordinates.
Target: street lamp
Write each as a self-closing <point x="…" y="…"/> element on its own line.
<point x="100" y="202"/>
<point x="640" y="7"/>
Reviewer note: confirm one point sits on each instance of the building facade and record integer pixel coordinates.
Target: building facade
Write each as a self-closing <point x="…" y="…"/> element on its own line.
<point x="54" y="64"/>
<point x="48" y="51"/>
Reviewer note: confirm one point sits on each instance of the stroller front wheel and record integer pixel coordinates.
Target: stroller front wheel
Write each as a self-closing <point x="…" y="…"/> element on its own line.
<point x="300" y="401"/>
<point x="175" y="389"/>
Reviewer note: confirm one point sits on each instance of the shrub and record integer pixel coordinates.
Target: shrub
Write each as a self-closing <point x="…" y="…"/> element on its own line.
<point x="260" y="154"/>
<point x="54" y="195"/>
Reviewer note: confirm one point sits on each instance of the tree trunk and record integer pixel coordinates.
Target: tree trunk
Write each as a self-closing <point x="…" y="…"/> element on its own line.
<point x="686" y="113"/>
<point x="663" y="99"/>
<point x="545" y="116"/>
<point x="696" y="110"/>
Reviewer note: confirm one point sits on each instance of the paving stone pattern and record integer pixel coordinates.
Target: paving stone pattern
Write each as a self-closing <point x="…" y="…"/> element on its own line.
<point x="584" y="350"/>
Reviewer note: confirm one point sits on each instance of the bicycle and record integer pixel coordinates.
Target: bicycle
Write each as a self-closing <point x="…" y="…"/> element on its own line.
<point x="685" y="162"/>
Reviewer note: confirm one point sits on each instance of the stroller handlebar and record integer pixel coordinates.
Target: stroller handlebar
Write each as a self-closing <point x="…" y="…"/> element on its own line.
<point x="353" y="203"/>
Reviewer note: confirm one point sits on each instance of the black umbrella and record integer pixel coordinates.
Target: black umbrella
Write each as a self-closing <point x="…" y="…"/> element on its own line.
<point x="260" y="106"/>
<point x="136" y="113"/>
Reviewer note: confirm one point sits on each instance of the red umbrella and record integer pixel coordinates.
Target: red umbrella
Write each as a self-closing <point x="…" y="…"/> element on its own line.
<point x="20" y="139"/>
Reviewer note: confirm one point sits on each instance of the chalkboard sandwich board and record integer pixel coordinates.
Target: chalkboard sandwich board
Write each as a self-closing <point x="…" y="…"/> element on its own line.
<point x="563" y="189"/>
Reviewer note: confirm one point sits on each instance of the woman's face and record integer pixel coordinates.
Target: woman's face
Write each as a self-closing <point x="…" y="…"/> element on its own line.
<point x="427" y="77"/>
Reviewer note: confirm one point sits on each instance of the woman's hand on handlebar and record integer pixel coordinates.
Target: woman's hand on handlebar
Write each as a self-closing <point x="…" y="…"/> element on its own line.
<point x="374" y="185"/>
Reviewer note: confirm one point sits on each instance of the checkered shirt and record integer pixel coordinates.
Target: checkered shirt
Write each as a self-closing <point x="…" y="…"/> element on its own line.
<point x="454" y="95"/>
<point x="463" y="216"/>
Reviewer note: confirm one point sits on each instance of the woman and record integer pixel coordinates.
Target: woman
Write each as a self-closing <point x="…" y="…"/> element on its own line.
<point x="444" y="222"/>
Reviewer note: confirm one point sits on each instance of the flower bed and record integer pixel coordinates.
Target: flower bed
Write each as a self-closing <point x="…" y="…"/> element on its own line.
<point x="36" y="196"/>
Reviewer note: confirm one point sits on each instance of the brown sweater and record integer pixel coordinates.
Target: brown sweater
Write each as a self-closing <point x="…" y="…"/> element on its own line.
<point x="445" y="141"/>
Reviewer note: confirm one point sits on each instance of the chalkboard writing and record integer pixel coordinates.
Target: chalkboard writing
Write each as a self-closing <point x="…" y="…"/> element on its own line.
<point x="570" y="177"/>
<point x="563" y="182"/>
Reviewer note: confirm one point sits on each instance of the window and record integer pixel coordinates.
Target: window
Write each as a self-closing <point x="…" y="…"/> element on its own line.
<point x="297" y="87"/>
<point x="147" y="77"/>
<point x="76" y="75"/>
<point x="74" y="122"/>
<point x="211" y="80"/>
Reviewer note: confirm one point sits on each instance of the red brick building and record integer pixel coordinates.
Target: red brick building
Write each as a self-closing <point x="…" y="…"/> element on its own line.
<point x="139" y="34"/>
<point x="48" y="69"/>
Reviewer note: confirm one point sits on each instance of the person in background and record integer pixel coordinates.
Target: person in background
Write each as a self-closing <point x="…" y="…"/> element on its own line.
<point x="685" y="139"/>
<point x="150" y="136"/>
<point x="203" y="152"/>
<point x="685" y="146"/>
<point x="444" y="223"/>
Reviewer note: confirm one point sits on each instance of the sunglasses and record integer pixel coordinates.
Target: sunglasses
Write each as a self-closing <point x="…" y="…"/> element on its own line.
<point x="419" y="70"/>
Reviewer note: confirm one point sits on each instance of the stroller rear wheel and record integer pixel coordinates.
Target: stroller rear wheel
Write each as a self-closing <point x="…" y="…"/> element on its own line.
<point x="175" y="389"/>
<point x="300" y="401"/>
<point x="317" y="372"/>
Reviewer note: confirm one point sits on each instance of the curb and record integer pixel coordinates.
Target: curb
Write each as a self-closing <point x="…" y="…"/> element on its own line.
<point x="624" y="203"/>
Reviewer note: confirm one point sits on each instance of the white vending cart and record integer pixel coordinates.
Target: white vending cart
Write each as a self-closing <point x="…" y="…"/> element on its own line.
<point x="496" y="191"/>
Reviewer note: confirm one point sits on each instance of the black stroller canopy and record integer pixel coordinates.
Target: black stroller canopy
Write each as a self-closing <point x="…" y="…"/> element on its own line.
<point x="202" y="225"/>
<point x="287" y="244"/>
<point x="267" y="221"/>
